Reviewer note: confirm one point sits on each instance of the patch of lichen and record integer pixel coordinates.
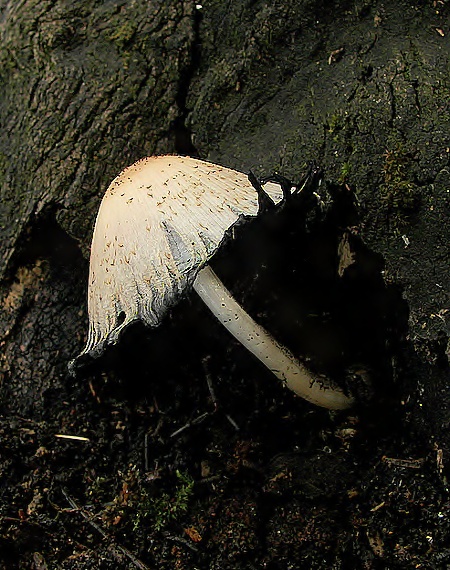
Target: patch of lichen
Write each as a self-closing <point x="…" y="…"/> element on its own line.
<point x="398" y="192"/>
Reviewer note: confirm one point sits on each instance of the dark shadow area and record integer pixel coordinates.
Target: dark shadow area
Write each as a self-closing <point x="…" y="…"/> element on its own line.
<point x="45" y="239"/>
<point x="304" y="274"/>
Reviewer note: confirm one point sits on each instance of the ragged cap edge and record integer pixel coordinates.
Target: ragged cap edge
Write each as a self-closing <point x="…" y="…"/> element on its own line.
<point x="184" y="209"/>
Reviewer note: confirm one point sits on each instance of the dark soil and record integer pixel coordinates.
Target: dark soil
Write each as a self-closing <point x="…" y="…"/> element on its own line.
<point x="187" y="453"/>
<point x="194" y="457"/>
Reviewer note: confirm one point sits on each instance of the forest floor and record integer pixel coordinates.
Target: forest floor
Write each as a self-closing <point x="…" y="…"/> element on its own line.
<point x="181" y="452"/>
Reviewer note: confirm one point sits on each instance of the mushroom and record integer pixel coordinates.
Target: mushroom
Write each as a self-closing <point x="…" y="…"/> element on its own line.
<point x="159" y="224"/>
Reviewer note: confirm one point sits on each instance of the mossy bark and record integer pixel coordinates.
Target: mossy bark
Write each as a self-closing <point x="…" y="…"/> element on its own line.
<point x="360" y="87"/>
<point x="86" y="90"/>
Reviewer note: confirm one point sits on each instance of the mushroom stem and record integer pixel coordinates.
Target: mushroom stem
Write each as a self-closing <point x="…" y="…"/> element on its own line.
<point x="260" y="343"/>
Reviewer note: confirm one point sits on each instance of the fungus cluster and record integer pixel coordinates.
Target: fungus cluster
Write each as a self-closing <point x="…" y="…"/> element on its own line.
<point x="159" y="224"/>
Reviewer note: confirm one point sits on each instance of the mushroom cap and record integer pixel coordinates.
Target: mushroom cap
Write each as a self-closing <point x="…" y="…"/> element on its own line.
<point x="160" y="221"/>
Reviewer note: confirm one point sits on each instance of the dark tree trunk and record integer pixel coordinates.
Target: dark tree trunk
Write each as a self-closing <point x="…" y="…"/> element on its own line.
<point x="362" y="89"/>
<point x="85" y="92"/>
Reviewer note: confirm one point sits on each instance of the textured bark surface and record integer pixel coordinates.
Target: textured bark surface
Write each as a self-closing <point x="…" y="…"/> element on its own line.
<point x="363" y="89"/>
<point x="85" y="92"/>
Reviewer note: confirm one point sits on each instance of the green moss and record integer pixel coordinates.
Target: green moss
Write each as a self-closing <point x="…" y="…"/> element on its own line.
<point x="334" y="124"/>
<point x="166" y="508"/>
<point x="398" y="191"/>
<point x="122" y="35"/>
<point x="139" y="503"/>
<point x="340" y="130"/>
<point x="345" y="171"/>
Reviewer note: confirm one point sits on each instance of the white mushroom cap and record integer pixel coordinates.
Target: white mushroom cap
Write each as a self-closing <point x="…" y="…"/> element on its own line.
<point x="159" y="223"/>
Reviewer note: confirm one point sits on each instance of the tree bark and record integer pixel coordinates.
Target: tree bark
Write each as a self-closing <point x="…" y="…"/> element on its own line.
<point x="86" y="91"/>
<point x="360" y="87"/>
